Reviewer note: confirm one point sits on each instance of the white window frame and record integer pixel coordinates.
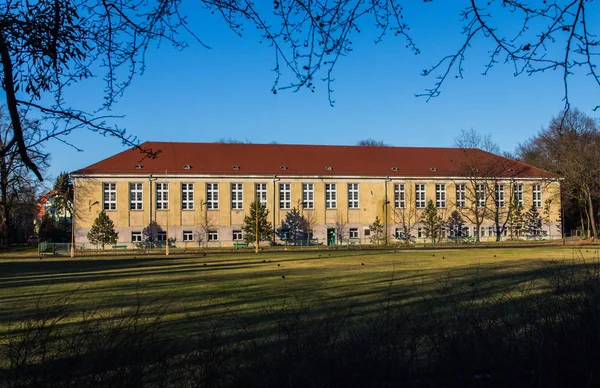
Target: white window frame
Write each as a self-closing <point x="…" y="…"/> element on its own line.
<point x="161" y="236"/>
<point x="187" y="196"/>
<point x="237" y="196"/>
<point x="518" y="192"/>
<point x="461" y="195"/>
<point x="212" y="235"/>
<point x="536" y="192"/>
<point x="162" y="196"/>
<point x="136" y="196"/>
<point x="261" y="193"/>
<point x="480" y="195"/>
<point x="399" y="196"/>
<point x="109" y="196"/>
<point x="285" y="196"/>
<point x="399" y="233"/>
<point x="237" y="235"/>
<point x="212" y="196"/>
<point x="136" y="237"/>
<point x="353" y="233"/>
<point x="420" y="194"/>
<point x="308" y="195"/>
<point x="188" y="236"/>
<point x="330" y="196"/>
<point x="440" y="195"/>
<point x="499" y="195"/>
<point x="353" y="196"/>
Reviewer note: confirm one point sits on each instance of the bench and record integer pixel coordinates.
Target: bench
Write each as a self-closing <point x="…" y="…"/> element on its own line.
<point x="119" y="247"/>
<point x="240" y="245"/>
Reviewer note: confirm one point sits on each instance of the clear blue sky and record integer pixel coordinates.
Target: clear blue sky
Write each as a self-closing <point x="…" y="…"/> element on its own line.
<point x="203" y="95"/>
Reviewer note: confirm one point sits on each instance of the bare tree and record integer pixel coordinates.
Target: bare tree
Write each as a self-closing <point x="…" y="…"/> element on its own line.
<point x="372" y="143"/>
<point x="405" y="213"/>
<point x="310" y="219"/>
<point x="206" y="224"/>
<point x="341" y="227"/>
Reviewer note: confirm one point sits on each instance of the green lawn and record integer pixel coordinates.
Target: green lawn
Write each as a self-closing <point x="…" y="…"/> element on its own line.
<point x="248" y="286"/>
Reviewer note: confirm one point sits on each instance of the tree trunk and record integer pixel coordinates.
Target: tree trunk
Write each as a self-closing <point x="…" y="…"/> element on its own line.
<point x="6" y="224"/>
<point x="592" y="219"/>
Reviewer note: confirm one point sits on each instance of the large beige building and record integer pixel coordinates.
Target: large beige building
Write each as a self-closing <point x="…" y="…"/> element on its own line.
<point x="342" y="189"/>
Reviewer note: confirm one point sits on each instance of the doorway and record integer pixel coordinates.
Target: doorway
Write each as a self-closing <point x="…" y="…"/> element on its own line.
<point x="331" y="236"/>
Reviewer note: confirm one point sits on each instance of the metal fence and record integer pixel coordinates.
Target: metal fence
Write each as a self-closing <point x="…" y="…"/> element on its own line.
<point x="49" y="248"/>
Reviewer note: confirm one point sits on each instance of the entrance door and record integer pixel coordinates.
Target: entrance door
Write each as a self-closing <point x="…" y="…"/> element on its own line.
<point x="331" y="237"/>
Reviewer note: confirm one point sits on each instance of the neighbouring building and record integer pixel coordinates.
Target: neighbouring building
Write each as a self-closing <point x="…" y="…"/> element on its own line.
<point x="342" y="189"/>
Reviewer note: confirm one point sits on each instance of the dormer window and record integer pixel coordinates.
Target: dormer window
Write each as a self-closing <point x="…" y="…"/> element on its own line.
<point x="187" y="167"/>
<point x="432" y="169"/>
<point x="138" y="166"/>
<point x="328" y="168"/>
<point x="283" y="167"/>
<point x="235" y="167"/>
<point x="511" y="170"/>
<point x="394" y="168"/>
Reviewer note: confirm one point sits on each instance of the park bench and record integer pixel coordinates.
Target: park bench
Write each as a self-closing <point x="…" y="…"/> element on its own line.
<point x="240" y="245"/>
<point x="119" y="247"/>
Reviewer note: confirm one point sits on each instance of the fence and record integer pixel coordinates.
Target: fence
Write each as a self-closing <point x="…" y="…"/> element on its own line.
<point x="48" y="248"/>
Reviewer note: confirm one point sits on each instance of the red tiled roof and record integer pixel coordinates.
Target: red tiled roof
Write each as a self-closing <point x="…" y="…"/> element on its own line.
<point x="291" y="159"/>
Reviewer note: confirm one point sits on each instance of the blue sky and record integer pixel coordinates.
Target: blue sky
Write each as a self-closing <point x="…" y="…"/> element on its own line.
<point x="206" y="94"/>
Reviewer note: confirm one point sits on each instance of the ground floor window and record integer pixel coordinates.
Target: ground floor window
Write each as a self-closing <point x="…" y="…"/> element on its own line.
<point x="188" y="235"/>
<point x="420" y="232"/>
<point x="136" y="237"/>
<point x="162" y="237"/>
<point x="353" y="233"/>
<point x="399" y="233"/>
<point x="213" y="235"/>
<point x="237" y="235"/>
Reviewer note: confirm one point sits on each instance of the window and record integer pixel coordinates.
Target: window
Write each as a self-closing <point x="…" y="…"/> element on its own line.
<point x="420" y="196"/>
<point x="482" y="231"/>
<point x="285" y="196"/>
<point x="237" y="235"/>
<point x="519" y="193"/>
<point x="491" y="231"/>
<point x="236" y="196"/>
<point x="110" y="196"/>
<point x="367" y="232"/>
<point x="440" y="195"/>
<point x="308" y="195"/>
<point x="162" y="196"/>
<point x="480" y="194"/>
<point x="212" y="196"/>
<point x="420" y="232"/>
<point x="353" y="233"/>
<point x="187" y="196"/>
<point x="499" y="196"/>
<point x="352" y="195"/>
<point x="537" y="195"/>
<point x="135" y="196"/>
<point x="136" y="237"/>
<point x="261" y="193"/>
<point x="213" y="235"/>
<point x="188" y="235"/>
<point x="399" y="196"/>
<point x="162" y="236"/>
<point x="399" y="233"/>
<point x="330" y="196"/>
<point x="461" y="195"/>
<point x="465" y="231"/>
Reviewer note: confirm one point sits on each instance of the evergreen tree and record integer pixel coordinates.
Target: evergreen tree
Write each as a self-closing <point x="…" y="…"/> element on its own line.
<point x="456" y="225"/>
<point x="256" y="226"/>
<point x="533" y="222"/>
<point x="376" y="229"/>
<point x="63" y="200"/>
<point x="432" y="222"/>
<point x="150" y="235"/>
<point x="296" y="225"/>
<point x="515" y="218"/>
<point x="103" y="231"/>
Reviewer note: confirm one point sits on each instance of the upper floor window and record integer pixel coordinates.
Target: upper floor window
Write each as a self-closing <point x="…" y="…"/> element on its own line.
<point x="499" y="190"/>
<point x="212" y="196"/>
<point x="440" y="195"/>
<point x="399" y="196"/>
<point x="135" y="196"/>
<point x="237" y="200"/>
<point x="308" y="195"/>
<point x="480" y="194"/>
<point x="518" y="190"/>
<point x="187" y="196"/>
<point x="353" y="195"/>
<point x="261" y="193"/>
<point x="420" y="196"/>
<point x="109" y="195"/>
<point x="461" y="195"/>
<point x="537" y="195"/>
<point x="285" y="196"/>
<point x="162" y="196"/>
<point x="330" y="196"/>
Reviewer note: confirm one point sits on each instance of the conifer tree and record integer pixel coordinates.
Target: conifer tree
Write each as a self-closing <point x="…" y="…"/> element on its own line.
<point x="256" y="226"/>
<point x="455" y="226"/>
<point x="533" y="222"/>
<point x="432" y="222"/>
<point x="376" y="229"/>
<point x="515" y="218"/>
<point x="103" y="231"/>
<point x="296" y="224"/>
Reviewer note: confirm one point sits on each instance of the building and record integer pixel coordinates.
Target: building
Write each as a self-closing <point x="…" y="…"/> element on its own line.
<point x="342" y="189"/>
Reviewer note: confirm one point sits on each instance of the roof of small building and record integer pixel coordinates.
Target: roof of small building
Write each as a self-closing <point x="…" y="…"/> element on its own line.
<point x="308" y="160"/>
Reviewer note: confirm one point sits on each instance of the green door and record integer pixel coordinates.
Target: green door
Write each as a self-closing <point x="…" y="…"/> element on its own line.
<point x="331" y="237"/>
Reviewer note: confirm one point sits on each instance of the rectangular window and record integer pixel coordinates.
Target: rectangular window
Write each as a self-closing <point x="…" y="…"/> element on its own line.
<point x="285" y="196"/>
<point x="213" y="235"/>
<point x="399" y="196"/>
<point x="480" y="194"/>
<point x="518" y="189"/>
<point x="330" y="196"/>
<point x="420" y="232"/>
<point x="440" y="195"/>
<point x="420" y="196"/>
<point x="461" y="195"/>
<point x="135" y="196"/>
<point x="399" y="233"/>
<point x="499" y="196"/>
<point x="352" y="195"/>
<point x="261" y="193"/>
<point x="212" y="196"/>
<point x="308" y="195"/>
<point x="367" y="232"/>
<point x="537" y="195"/>
<point x="482" y="231"/>
<point x="136" y="237"/>
<point x="237" y="235"/>
<point x="353" y="233"/>
<point x="162" y="237"/>
<point x="491" y="231"/>
<point x="187" y="196"/>
<point x="465" y="231"/>
<point x="237" y="200"/>
<point x="109" y="194"/>
<point x="162" y="196"/>
<point x="188" y="235"/>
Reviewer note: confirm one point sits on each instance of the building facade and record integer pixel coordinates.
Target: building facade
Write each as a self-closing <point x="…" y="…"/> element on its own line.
<point x="187" y="188"/>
